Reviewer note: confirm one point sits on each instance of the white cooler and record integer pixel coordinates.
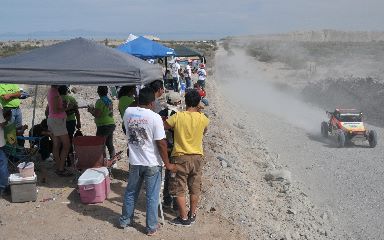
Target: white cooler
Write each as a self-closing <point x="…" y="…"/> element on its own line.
<point x="23" y="189"/>
<point x="94" y="185"/>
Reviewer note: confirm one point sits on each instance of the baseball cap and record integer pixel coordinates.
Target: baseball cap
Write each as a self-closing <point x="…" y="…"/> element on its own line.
<point x="173" y="97"/>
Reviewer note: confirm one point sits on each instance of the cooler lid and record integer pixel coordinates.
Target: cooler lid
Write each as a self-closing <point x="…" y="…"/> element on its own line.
<point x="93" y="176"/>
<point x="17" y="178"/>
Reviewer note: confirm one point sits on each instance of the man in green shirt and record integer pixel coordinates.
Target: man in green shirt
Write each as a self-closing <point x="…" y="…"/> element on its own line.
<point x="9" y="98"/>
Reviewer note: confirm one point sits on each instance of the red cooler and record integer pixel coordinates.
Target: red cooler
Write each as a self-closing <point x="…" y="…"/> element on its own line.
<point x="94" y="185"/>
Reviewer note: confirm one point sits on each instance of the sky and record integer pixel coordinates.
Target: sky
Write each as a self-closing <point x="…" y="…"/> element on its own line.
<point x="184" y="20"/>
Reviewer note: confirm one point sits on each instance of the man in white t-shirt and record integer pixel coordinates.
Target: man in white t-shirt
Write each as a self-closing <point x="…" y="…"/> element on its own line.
<point x="4" y="174"/>
<point x="202" y="75"/>
<point x="175" y="70"/>
<point x="147" y="152"/>
<point x="188" y="74"/>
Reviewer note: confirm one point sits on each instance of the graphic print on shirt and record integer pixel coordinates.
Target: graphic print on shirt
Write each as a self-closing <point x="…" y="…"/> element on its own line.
<point x="137" y="134"/>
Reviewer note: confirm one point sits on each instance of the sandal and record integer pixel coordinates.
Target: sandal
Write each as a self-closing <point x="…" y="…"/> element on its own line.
<point x="153" y="232"/>
<point x="64" y="173"/>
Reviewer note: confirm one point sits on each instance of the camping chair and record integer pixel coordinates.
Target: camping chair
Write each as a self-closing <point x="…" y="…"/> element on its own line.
<point x="88" y="152"/>
<point x="17" y="154"/>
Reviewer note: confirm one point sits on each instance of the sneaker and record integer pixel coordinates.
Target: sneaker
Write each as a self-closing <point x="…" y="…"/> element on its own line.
<point x="5" y="192"/>
<point x="181" y="222"/>
<point x="192" y="217"/>
<point x="126" y="226"/>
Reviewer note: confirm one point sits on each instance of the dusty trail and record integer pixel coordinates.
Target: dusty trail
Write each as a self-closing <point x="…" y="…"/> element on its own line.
<point x="344" y="183"/>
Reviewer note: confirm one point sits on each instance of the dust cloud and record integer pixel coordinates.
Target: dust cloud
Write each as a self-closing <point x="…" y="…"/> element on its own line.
<point x="247" y="82"/>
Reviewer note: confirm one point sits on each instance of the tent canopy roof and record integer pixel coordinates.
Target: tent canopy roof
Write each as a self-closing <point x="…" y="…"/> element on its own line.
<point x="183" y="51"/>
<point x="145" y="49"/>
<point x="78" y="61"/>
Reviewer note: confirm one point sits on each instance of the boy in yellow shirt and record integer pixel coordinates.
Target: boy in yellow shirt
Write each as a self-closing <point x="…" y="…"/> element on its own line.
<point x="189" y="127"/>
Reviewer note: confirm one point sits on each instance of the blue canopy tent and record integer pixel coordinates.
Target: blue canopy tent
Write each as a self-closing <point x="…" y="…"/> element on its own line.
<point x="144" y="48"/>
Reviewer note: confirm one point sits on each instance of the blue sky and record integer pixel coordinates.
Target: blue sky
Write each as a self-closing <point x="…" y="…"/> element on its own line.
<point x="195" y="19"/>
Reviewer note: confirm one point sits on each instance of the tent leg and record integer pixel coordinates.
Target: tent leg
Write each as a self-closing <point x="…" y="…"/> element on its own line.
<point x="34" y="110"/>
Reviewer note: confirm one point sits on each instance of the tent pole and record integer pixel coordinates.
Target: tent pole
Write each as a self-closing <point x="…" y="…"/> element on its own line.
<point x="34" y="110"/>
<point x="166" y="63"/>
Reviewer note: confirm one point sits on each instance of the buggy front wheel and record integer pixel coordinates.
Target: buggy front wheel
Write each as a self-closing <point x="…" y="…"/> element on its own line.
<point x="372" y="138"/>
<point x="340" y="139"/>
<point x="324" y="129"/>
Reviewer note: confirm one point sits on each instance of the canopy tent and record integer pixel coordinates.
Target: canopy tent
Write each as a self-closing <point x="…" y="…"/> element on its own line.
<point x="183" y="51"/>
<point x="146" y="49"/>
<point x="79" y="62"/>
<point x="131" y="37"/>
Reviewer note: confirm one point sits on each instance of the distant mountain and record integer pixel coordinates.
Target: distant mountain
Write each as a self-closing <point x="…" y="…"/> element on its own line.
<point x="326" y="35"/>
<point x="68" y="34"/>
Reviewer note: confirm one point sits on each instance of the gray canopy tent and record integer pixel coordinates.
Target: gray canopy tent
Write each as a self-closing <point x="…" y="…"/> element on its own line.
<point x="79" y="62"/>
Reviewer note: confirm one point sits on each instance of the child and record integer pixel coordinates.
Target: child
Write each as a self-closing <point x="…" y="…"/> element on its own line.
<point x="41" y="130"/>
<point x="202" y="93"/>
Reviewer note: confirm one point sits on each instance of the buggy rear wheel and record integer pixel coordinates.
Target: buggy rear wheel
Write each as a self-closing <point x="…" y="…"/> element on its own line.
<point x="340" y="139"/>
<point x="324" y="129"/>
<point x="372" y="138"/>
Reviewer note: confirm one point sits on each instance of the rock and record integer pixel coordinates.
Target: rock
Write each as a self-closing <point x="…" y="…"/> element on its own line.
<point x="227" y="162"/>
<point x="291" y="211"/>
<point x="238" y="125"/>
<point x="278" y="175"/>
<point x="224" y="164"/>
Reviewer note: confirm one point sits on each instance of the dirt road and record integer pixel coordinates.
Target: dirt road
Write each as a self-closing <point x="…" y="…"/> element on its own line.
<point x="344" y="183"/>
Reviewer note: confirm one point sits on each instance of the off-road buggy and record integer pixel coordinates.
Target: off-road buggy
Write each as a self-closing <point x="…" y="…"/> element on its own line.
<point x="346" y="125"/>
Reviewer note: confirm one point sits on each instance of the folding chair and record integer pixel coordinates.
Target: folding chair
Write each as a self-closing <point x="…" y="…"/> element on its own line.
<point x="17" y="154"/>
<point x="88" y="152"/>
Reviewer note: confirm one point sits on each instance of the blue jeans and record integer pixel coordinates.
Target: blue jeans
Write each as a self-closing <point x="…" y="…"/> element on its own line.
<point x="188" y="82"/>
<point x="17" y="117"/>
<point x="4" y="174"/>
<point x="205" y="101"/>
<point x="201" y="83"/>
<point x="152" y="178"/>
<point x="176" y="84"/>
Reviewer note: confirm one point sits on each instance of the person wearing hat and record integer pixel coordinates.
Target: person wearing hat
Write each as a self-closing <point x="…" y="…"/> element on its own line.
<point x="176" y="69"/>
<point x="173" y="106"/>
<point x="202" y="75"/>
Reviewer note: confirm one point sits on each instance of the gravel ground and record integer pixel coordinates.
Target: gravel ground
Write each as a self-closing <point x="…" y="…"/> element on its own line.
<point x="267" y="175"/>
<point x="342" y="183"/>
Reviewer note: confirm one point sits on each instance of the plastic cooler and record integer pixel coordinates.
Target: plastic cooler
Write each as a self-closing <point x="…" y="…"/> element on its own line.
<point x="94" y="185"/>
<point x="23" y="189"/>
